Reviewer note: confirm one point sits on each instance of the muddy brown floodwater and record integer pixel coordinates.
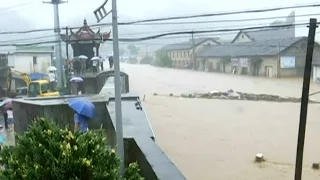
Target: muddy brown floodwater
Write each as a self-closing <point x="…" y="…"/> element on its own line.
<point x="218" y="139"/>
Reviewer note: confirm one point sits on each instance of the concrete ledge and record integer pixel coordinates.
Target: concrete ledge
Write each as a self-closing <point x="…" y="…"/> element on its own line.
<point x="153" y="162"/>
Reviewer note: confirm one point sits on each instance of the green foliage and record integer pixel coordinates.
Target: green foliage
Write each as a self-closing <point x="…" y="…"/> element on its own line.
<point x="47" y="152"/>
<point x="133" y="172"/>
<point x="134" y="50"/>
<point x="162" y="59"/>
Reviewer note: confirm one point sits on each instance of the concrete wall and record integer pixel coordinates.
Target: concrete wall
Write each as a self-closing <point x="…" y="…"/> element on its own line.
<point x="138" y="135"/>
<point x="93" y="83"/>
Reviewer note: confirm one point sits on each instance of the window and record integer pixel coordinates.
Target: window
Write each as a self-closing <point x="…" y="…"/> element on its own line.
<point x="242" y="36"/>
<point x="173" y="54"/>
<point x="45" y="88"/>
<point x="185" y="54"/>
<point x="34" y="89"/>
<point x="34" y="60"/>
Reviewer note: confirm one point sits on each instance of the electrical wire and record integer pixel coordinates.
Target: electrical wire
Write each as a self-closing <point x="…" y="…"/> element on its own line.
<point x="182" y="36"/>
<point x="227" y="20"/>
<point x="178" y="17"/>
<point x="172" y="33"/>
<point x="7" y="10"/>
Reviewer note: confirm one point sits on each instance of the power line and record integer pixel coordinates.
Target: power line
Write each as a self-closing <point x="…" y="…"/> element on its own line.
<point x="171" y="34"/>
<point x="224" y="13"/>
<point x="226" y="20"/>
<point x="13" y="8"/>
<point x="138" y="33"/>
<point x="183" y="36"/>
<point x="178" y="17"/>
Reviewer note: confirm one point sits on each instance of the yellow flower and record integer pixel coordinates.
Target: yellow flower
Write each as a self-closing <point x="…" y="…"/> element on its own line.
<point x="75" y="147"/>
<point x="68" y="146"/>
<point x="113" y="151"/>
<point x="98" y="146"/>
<point x="36" y="166"/>
<point x="40" y="145"/>
<point x="49" y="132"/>
<point x="86" y="161"/>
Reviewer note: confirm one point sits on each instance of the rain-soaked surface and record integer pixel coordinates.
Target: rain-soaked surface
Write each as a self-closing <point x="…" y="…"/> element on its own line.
<point x="218" y="139"/>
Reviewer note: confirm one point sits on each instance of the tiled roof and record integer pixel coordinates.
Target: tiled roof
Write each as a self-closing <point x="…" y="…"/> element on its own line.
<point x="185" y="45"/>
<point x="268" y="33"/>
<point x="256" y="48"/>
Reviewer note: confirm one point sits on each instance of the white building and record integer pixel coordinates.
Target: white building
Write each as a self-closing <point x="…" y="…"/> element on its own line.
<point x="31" y="59"/>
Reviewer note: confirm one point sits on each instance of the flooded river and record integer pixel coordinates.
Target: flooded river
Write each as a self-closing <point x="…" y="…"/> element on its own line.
<point x="218" y="139"/>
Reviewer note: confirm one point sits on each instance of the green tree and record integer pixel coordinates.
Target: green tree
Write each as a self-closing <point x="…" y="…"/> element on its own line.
<point x="134" y="50"/>
<point x="47" y="152"/>
<point x="162" y="59"/>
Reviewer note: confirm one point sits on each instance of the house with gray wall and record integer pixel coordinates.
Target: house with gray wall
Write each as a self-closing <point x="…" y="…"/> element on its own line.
<point x="272" y="57"/>
<point x="181" y="54"/>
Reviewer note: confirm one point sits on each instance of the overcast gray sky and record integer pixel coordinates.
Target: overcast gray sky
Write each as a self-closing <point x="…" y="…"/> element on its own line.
<point x="73" y="13"/>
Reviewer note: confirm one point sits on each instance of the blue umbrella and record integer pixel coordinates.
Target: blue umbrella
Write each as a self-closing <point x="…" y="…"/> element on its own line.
<point x="83" y="107"/>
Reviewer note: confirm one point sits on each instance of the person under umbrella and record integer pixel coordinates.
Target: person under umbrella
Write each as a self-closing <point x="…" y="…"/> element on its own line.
<point x="10" y="116"/>
<point x="4" y="111"/>
<point x="84" y="111"/>
<point x="74" y="84"/>
<point x="77" y="66"/>
<point x="95" y="64"/>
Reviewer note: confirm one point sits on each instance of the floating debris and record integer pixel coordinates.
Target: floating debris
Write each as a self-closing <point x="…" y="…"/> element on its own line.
<point x="316" y="166"/>
<point x="259" y="158"/>
<point x="233" y="95"/>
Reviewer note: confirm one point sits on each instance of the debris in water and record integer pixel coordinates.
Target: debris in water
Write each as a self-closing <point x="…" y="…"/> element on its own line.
<point x="155" y="94"/>
<point x="316" y="166"/>
<point x="259" y="158"/>
<point x="171" y="94"/>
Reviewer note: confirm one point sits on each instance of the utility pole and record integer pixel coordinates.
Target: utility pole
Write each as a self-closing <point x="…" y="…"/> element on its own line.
<point x="58" y="54"/>
<point x="193" y="54"/>
<point x="117" y="86"/>
<point x="279" y="61"/>
<point x="305" y="99"/>
<point x="67" y="42"/>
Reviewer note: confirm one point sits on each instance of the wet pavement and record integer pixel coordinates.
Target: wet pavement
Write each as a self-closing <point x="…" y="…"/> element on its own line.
<point x="218" y="139"/>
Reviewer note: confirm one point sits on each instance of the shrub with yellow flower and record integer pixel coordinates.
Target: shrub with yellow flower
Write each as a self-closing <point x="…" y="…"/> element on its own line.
<point x="47" y="152"/>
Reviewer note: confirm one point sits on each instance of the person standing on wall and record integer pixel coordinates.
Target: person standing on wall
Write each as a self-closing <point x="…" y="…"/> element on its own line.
<point x="94" y="66"/>
<point x="101" y="60"/>
<point x="52" y="78"/>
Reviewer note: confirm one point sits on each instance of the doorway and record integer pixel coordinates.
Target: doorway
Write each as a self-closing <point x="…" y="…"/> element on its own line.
<point x="269" y="71"/>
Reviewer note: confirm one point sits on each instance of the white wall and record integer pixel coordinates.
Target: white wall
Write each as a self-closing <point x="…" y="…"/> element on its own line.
<point x="242" y="38"/>
<point x="24" y="62"/>
<point x="316" y="73"/>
